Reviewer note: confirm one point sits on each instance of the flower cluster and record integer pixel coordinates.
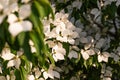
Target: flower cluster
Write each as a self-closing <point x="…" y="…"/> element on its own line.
<point x="81" y="40"/>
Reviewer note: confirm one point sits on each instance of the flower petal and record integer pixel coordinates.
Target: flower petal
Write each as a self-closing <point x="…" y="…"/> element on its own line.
<point x="73" y="54"/>
<point x="17" y="62"/>
<point x="6" y="55"/>
<point x="27" y="25"/>
<point x="15" y="28"/>
<point x="24" y="11"/>
<point x="84" y="55"/>
<point x="100" y="58"/>
<point x="45" y="75"/>
<point x="56" y="74"/>
<point x="11" y="63"/>
<point x="59" y="56"/>
<point x="12" y="18"/>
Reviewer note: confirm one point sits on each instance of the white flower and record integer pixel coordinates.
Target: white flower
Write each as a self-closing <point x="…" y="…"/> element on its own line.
<point x="16" y="27"/>
<point x="11" y="76"/>
<point x="118" y="3"/>
<point x="115" y="57"/>
<point x="100" y="43"/>
<point x="12" y="18"/>
<point x="51" y="73"/>
<point x="33" y="49"/>
<point x="83" y="40"/>
<point x="84" y="55"/>
<point x="73" y="54"/>
<point x="95" y="12"/>
<point x="14" y="60"/>
<point x="103" y="57"/>
<point x="58" y="52"/>
<point x="107" y="2"/>
<point x="24" y="11"/>
<point x="31" y="77"/>
<point x="90" y="52"/>
<point x="7" y="7"/>
<point x="77" y="4"/>
<point x="87" y="46"/>
<point x="6" y="54"/>
<point x="37" y="72"/>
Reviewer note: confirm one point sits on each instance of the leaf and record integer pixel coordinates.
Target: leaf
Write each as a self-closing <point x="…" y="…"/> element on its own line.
<point x="44" y="9"/>
<point x="27" y="64"/>
<point x="17" y="74"/>
<point x="23" y="73"/>
<point x="38" y="47"/>
<point x="2" y="37"/>
<point x="26" y="47"/>
<point x="66" y="46"/>
<point x="21" y="37"/>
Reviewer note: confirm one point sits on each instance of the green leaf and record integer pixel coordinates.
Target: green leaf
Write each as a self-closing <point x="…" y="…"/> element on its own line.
<point x="38" y="46"/>
<point x="21" y="37"/>
<point x="26" y="48"/>
<point x="17" y="74"/>
<point x="23" y="73"/>
<point x="27" y="64"/>
<point x="44" y="9"/>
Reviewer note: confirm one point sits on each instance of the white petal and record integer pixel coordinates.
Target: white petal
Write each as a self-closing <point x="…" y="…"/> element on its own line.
<point x="12" y="18"/>
<point x="15" y="28"/>
<point x="100" y="58"/>
<point x="45" y="75"/>
<point x="62" y="39"/>
<point x="71" y="41"/>
<point x="31" y="77"/>
<point x="106" y="54"/>
<point x="55" y="58"/>
<point x="87" y="46"/>
<point x="90" y="52"/>
<point x="100" y="43"/>
<point x="27" y="25"/>
<point x="94" y="11"/>
<point x="7" y="56"/>
<point x="13" y="6"/>
<point x="33" y="49"/>
<point x="24" y="11"/>
<point x="83" y="40"/>
<point x="50" y="74"/>
<point x="84" y="55"/>
<point x="17" y="62"/>
<point x="59" y="56"/>
<point x="11" y="63"/>
<point x="56" y="74"/>
<point x="58" y="49"/>
<point x="73" y="54"/>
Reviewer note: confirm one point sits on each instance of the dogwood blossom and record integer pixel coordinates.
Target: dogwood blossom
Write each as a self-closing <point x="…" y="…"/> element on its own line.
<point x="14" y="60"/>
<point x="103" y="57"/>
<point x="58" y="52"/>
<point x="6" y="7"/>
<point x="73" y="54"/>
<point x="16" y="26"/>
<point x="51" y="73"/>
